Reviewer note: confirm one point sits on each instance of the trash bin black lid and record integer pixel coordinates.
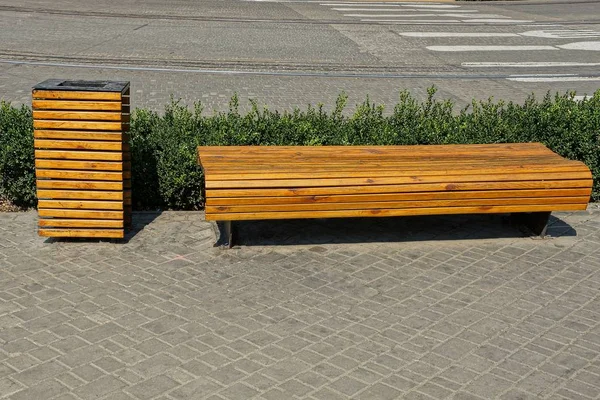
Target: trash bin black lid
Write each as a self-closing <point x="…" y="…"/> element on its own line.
<point x="82" y="86"/>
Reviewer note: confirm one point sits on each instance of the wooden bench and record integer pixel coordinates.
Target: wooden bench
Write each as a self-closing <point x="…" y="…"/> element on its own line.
<point x="274" y="182"/>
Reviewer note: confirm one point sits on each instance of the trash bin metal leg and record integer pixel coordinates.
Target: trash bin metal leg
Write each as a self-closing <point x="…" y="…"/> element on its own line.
<point x="226" y="234"/>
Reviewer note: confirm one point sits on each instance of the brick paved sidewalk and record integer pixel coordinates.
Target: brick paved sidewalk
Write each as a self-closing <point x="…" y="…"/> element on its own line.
<point x="414" y="308"/>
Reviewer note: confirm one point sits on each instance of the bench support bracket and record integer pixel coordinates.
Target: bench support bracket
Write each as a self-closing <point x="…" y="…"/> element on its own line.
<point x="537" y="222"/>
<point x="226" y="234"/>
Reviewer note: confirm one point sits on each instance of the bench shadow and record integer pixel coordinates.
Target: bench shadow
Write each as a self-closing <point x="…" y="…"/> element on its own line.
<point x="392" y="229"/>
<point x="140" y="219"/>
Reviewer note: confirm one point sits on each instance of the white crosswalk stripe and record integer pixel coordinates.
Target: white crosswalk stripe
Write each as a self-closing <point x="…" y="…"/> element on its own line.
<point x="401" y="13"/>
<point x="528" y="64"/>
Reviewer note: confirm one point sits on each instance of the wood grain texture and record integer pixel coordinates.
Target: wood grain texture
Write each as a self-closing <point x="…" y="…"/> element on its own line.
<point x="408" y="188"/>
<point x="83" y="233"/>
<point x="80" y="194"/>
<point x="394" y="180"/>
<point x="81" y="155"/>
<point x="81" y="184"/>
<point x="82" y="175"/>
<point x="368" y="205"/>
<point x="80" y="145"/>
<point x="80" y="223"/>
<point x="75" y="105"/>
<point x="374" y="151"/>
<point x="79" y="135"/>
<point x="67" y="95"/>
<point x="82" y="205"/>
<point x="81" y="165"/>
<point x="91" y="125"/>
<point x="380" y="169"/>
<point x="80" y="214"/>
<point x="441" y="195"/>
<point x="393" y="212"/>
<point x="77" y="115"/>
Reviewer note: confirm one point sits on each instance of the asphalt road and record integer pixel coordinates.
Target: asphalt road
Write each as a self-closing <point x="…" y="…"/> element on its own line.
<point x="290" y="53"/>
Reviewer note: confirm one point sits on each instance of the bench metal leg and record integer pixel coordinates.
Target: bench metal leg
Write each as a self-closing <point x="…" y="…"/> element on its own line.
<point x="226" y="235"/>
<point x="537" y="222"/>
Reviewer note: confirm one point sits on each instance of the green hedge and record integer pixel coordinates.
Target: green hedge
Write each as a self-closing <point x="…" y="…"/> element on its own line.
<point x="17" y="172"/>
<point x="165" y="171"/>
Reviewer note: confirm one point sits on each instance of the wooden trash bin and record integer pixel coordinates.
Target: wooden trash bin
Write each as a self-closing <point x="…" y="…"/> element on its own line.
<point x="82" y="158"/>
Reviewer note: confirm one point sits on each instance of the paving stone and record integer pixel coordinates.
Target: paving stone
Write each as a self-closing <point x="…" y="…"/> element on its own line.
<point x="488" y="386"/>
<point x="347" y="385"/>
<point x="379" y="391"/>
<point x="41" y="391"/>
<point x="197" y="388"/>
<point x="238" y="391"/>
<point x="100" y="387"/>
<point x="8" y="386"/>
<point x="39" y="373"/>
<point x="152" y="387"/>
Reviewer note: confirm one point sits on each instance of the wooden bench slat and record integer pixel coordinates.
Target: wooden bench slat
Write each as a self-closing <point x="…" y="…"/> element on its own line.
<point x="84" y="233"/>
<point x="78" y="135"/>
<point x="391" y="172"/>
<point x="80" y="223"/>
<point x="82" y="175"/>
<point x="81" y="145"/>
<point x="395" y="212"/>
<point x="450" y="179"/>
<point x="479" y="194"/>
<point x="374" y="151"/>
<point x="428" y="162"/>
<point x="395" y="204"/>
<point x="76" y="105"/>
<point x="225" y="160"/>
<point x="69" y="95"/>
<point x="81" y="204"/>
<point x="435" y="187"/>
<point x="240" y="164"/>
<point x="326" y="162"/>
<point x="82" y="165"/>
<point x="78" y="115"/>
<point x="81" y="184"/>
<point x="80" y="214"/>
<point x="81" y="155"/>
<point x="91" y="125"/>
<point x="80" y="194"/>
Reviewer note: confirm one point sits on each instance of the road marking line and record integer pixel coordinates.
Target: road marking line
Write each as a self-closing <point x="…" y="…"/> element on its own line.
<point x="561" y="34"/>
<point x="534" y="79"/>
<point x="456" y="34"/>
<point x="590" y="46"/>
<point x="431" y="6"/>
<point x="490" y="16"/>
<point x="496" y="20"/>
<point x="489" y="48"/>
<point x="412" y="21"/>
<point x="417" y="15"/>
<point x="540" y="25"/>
<point x="369" y="9"/>
<point x="526" y="64"/>
<point x="356" y="4"/>
<point x="461" y="12"/>
<point x="390" y="15"/>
